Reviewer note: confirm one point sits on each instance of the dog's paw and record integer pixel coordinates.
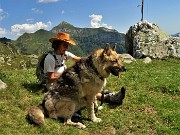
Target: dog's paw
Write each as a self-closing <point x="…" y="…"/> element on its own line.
<point x="75" y="124"/>
<point x="96" y="119"/>
<point x="80" y="125"/>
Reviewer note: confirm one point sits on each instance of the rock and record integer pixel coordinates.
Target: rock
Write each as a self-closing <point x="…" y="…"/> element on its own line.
<point x="2" y="60"/>
<point x="23" y="65"/>
<point x="9" y="61"/>
<point x="34" y="62"/>
<point x="147" y="60"/>
<point x="127" y="58"/>
<point x="145" y="39"/>
<point x="2" y="85"/>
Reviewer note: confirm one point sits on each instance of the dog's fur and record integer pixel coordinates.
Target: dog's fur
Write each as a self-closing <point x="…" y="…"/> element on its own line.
<point x="77" y="87"/>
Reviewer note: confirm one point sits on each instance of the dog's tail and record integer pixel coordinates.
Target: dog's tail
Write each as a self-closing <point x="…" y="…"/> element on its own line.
<point x="36" y="114"/>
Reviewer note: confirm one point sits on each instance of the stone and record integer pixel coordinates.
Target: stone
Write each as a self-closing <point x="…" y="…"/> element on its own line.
<point x="2" y="85"/>
<point x="147" y="60"/>
<point x="127" y="58"/>
<point x="146" y="39"/>
<point x="2" y="60"/>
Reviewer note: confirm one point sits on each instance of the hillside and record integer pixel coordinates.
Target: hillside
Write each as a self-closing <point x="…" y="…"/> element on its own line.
<point x="87" y="39"/>
<point x="11" y="58"/>
<point x="151" y="105"/>
<point x="34" y="43"/>
<point x="7" y="49"/>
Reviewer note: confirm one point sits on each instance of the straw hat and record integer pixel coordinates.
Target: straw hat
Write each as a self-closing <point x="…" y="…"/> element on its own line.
<point x="62" y="36"/>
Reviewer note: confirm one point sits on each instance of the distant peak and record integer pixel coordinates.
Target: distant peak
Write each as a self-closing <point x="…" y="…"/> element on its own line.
<point x="63" y="23"/>
<point x="107" y="29"/>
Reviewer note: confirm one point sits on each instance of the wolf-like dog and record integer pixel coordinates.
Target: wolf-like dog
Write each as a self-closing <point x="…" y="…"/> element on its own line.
<point x="77" y="87"/>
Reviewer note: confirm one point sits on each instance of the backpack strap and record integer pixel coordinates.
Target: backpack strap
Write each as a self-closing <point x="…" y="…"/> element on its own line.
<point x="57" y="64"/>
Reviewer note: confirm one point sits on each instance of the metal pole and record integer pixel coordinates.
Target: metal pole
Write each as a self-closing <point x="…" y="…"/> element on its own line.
<point x="142" y="9"/>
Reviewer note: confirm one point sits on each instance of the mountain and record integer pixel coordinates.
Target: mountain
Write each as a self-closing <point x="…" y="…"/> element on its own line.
<point x="176" y="35"/>
<point x="4" y="40"/>
<point x="87" y="39"/>
<point x="7" y="48"/>
<point x="34" y="43"/>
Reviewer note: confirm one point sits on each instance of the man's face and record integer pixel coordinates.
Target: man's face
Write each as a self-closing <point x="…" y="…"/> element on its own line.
<point x="63" y="47"/>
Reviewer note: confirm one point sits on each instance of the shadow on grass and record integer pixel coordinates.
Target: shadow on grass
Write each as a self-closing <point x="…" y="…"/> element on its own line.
<point x="34" y="87"/>
<point x="113" y="106"/>
<point x="60" y="120"/>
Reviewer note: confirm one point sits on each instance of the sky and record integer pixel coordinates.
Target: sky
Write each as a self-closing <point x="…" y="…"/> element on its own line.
<point x="20" y="16"/>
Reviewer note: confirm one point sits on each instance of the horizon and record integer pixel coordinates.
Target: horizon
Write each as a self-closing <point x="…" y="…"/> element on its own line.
<point x="118" y="15"/>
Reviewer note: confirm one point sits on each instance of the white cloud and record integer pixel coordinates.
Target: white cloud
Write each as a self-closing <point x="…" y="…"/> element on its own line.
<point x="2" y="14"/>
<point x="37" y="11"/>
<point x="96" y="22"/>
<point x="19" y="29"/>
<point x="30" y="20"/>
<point x="47" y="1"/>
<point x="3" y="32"/>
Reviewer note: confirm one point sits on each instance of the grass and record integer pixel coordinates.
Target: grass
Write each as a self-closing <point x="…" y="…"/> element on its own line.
<point x="151" y="105"/>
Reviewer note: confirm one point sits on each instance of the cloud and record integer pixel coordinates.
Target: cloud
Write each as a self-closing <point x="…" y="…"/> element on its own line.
<point x="47" y="1"/>
<point x="30" y="20"/>
<point x="2" y="14"/>
<point x="96" y="22"/>
<point x="3" y="32"/>
<point x="37" y="11"/>
<point x="19" y="29"/>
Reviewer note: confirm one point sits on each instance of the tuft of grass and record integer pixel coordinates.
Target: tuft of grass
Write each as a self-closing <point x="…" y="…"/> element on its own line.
<point x="151" y="105"/>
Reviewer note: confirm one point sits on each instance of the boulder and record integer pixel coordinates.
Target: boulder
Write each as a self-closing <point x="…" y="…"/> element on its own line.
<point x="146" y="39"/>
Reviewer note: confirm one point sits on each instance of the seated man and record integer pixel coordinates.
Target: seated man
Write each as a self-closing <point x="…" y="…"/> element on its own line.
<point x="54" y="66"/>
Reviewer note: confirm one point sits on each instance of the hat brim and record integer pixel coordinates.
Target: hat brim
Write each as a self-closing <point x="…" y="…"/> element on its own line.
<point x="67" y="41"/>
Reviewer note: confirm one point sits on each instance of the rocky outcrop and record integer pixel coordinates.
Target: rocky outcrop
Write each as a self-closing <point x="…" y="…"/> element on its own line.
<point x="147" y="39"/>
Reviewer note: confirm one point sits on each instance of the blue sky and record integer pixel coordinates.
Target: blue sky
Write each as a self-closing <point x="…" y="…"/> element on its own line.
<point x="19" y="16"/>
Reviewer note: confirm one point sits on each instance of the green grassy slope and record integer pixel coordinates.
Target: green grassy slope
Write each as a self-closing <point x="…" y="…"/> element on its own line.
<point x="151" y="105"/>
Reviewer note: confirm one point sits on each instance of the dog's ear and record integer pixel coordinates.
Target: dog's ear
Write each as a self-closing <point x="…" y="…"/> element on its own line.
<point x="114" y="47"/>
<point x="107" y="49"/>
<point x="107" y="46"/>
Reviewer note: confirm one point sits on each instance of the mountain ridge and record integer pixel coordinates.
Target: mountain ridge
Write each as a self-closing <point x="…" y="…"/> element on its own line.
<point x="87" y="39"/>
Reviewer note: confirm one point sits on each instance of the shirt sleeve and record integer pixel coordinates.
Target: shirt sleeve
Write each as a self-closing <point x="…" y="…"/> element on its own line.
<point x="49" y="64"/>
<point x="69" y="55"/>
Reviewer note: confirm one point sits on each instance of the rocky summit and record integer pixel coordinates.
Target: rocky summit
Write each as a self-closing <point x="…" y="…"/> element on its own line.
<point x="147" y="39"/>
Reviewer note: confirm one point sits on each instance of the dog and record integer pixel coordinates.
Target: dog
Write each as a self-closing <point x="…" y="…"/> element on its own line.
<point x="77" y="87"/>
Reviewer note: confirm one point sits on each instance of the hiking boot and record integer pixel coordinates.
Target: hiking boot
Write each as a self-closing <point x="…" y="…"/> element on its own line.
<point x="107" y="92"/>
<point x="116" y="98"/>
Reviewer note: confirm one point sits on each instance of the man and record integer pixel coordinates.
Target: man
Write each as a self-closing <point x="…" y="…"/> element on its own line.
<point x="54" y="66"/>
<point x="54" y="63"/>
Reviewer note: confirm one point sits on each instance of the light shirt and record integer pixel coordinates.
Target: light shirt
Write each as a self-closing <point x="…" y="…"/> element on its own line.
<point x="50" y="64"/>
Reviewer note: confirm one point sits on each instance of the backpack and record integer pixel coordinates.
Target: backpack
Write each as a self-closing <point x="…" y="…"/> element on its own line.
<point x="40" y="68"/>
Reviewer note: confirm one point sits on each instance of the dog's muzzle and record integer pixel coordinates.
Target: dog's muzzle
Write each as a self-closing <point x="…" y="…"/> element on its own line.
<point x="115" y="70"/>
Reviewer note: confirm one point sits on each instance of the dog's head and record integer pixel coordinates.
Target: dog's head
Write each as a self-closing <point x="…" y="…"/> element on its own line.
<point x="108" y="61"/>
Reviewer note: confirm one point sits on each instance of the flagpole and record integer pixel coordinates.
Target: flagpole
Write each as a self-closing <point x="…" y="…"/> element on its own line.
<point x="142" y="9"/>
